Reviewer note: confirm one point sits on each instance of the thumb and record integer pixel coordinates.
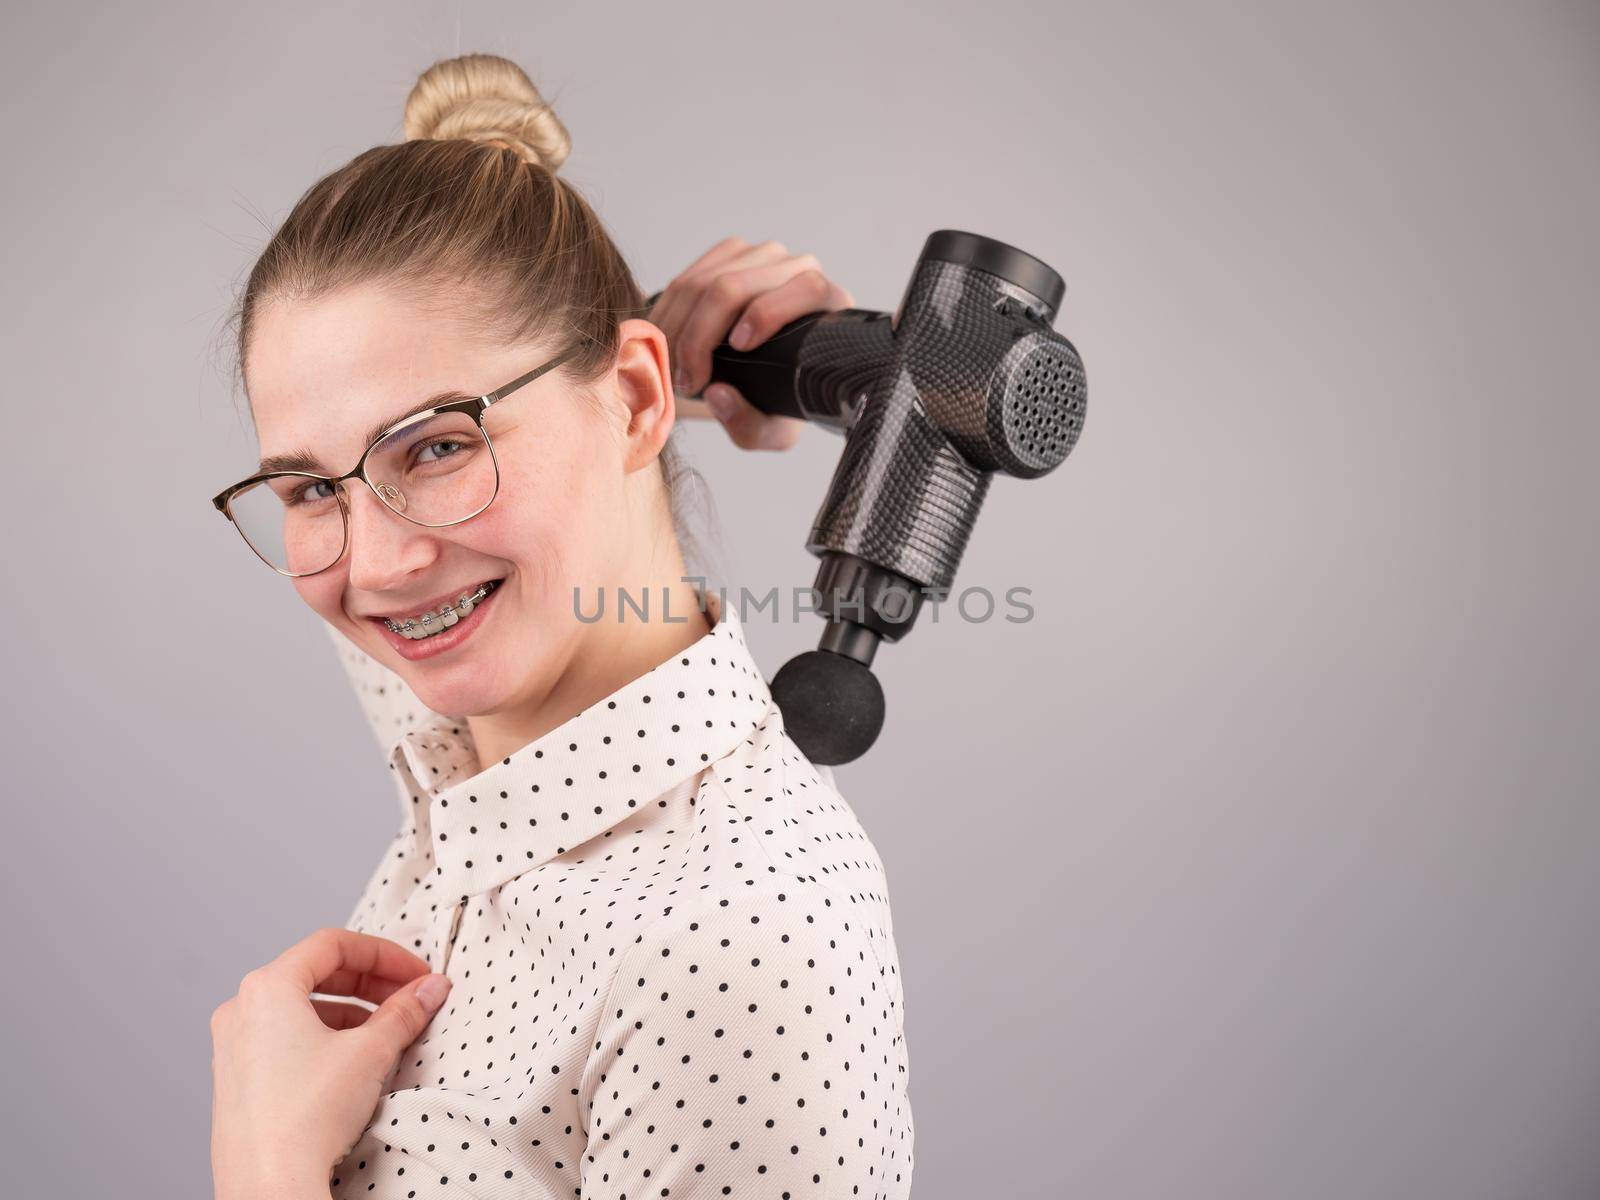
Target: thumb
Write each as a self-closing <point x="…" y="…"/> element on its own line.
<point x="400" y="1019"/>
<point x="747" y="425"/>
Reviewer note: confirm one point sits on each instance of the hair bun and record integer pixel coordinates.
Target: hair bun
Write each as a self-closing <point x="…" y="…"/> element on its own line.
<point x="486" y="98"/>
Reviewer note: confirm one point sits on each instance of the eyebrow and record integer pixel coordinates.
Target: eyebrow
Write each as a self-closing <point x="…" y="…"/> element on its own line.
<point x="304" y="460"/>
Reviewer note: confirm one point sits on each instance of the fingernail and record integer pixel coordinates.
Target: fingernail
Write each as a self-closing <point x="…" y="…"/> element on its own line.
<point x="680" y="378"/>
<point x="431" y="991"/>
<point x="721" y="402"/>
<point x="741" y="336"/>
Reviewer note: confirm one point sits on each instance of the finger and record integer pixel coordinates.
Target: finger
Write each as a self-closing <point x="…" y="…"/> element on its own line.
<point x="668" y="312"/>
<point x="733" y="254"/>
<point x="345" y="961"/>
<point x="400" y="1020"/>
<point x="689" y="287"/>
<point x="747" y="425"/>
<point x="728" y="249"/>
<point x="695" y="409"/>
<point x="759" y="255"/>
<point x="725" y="298"/>
<point x="807" y="291"/>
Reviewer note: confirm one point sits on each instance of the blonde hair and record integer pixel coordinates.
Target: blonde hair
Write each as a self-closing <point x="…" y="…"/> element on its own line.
<point x="471" y="196"/>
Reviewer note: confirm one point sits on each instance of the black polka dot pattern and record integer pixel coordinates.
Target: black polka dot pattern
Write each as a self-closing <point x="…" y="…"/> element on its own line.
<point x="671" y="947"/>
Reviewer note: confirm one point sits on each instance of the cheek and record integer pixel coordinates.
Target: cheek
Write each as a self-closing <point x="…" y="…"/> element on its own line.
<point x="558" y="489"/>
<point x="323" y="592"/>
<point x="551" y="529"/>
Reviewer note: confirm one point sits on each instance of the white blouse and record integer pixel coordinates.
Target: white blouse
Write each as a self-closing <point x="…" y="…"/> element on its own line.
<point x="674" y="969"/>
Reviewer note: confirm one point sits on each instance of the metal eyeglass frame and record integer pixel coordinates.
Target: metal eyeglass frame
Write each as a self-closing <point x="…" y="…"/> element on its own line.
<point x="474" y="408"/>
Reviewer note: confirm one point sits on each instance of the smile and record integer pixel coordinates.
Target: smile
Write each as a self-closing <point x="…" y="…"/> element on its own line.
<point x="430" y="624"/>
<point x="432" y="634"/>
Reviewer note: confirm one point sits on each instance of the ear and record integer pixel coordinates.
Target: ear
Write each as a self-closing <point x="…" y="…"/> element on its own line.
<point x="644" y="384"/>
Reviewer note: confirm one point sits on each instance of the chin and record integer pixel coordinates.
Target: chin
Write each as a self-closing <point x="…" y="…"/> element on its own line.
<point x="467" y="697"/>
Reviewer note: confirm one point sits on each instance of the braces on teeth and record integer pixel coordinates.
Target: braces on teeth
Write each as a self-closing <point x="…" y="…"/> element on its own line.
<point x="432" y="622"/>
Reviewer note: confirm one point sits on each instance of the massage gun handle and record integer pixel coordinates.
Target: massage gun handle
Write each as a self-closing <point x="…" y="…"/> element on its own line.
<point x="817" y="368"/>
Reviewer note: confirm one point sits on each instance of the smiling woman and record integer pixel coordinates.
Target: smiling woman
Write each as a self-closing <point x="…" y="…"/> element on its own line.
<point x="730" y="1019"/>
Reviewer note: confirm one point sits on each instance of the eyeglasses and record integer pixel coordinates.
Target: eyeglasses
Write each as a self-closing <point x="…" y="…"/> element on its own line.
<point x="434" y="468"/>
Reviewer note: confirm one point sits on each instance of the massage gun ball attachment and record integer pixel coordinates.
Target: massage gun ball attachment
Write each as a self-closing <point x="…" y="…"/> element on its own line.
<point x="967" y="379"/>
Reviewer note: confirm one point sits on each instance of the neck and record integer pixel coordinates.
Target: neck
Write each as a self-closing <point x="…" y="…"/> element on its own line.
<point x="612" y="652"/>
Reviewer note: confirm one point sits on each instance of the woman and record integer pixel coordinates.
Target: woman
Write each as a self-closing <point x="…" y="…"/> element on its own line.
<point x="628" y="941"/>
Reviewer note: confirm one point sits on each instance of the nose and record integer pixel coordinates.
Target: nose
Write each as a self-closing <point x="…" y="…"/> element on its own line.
<point x="384" y="547"/>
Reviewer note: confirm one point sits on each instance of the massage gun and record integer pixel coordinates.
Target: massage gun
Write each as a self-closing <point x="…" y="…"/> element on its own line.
<point x="966" y="379"/>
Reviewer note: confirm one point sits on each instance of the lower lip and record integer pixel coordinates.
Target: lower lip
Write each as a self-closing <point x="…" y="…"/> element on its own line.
<point x="418" y="648"/>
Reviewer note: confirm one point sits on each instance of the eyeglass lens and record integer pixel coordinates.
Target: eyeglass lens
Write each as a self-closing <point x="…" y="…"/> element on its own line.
<point x="434" y="471"/>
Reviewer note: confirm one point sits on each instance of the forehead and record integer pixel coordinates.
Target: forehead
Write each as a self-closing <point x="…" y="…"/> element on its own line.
<point x="321" y="372"/>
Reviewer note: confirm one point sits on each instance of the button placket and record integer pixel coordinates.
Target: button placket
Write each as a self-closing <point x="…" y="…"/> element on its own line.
<point x="450" y="938"/>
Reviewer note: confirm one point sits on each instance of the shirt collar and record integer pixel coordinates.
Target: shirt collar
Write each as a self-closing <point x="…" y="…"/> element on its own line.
<point x="587" y="775"/>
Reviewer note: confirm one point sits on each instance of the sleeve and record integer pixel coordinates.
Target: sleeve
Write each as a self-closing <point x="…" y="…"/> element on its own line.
<point x="749" y="1049"/>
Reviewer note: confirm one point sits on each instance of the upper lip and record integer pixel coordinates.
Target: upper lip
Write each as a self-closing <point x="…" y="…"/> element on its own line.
<point x="433" y="605"/>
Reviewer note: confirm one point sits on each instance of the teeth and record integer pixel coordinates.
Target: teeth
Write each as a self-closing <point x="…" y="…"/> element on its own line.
<point x="427" y="624"/>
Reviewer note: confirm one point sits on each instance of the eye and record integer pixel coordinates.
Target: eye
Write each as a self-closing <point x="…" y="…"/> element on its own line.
<point x="442" y="442"/>
<point x="297" y="496"/>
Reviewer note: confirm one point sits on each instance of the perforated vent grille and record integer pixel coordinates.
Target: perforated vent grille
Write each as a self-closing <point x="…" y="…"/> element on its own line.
<point x="1045" y="413"/>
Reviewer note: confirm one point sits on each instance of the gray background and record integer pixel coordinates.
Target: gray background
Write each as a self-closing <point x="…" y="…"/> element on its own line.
<point x="1262" y="862"/>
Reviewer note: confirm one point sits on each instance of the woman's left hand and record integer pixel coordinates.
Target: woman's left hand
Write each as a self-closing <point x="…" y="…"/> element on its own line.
<point x="295" y="1081"/>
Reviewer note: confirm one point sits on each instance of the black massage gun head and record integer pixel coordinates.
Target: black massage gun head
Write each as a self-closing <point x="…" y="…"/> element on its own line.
<point x="832" y="705"/>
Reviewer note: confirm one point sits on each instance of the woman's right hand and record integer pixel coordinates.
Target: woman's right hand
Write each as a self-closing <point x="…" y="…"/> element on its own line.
<point x="732" y="285"/>
<point x="295" y="1079"/>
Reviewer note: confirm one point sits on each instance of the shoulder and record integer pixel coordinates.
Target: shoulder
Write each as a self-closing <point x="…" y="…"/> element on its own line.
<point x="771" y="815"/>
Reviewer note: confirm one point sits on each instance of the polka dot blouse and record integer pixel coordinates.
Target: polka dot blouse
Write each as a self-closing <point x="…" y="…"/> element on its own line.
<point x="673" y="964"/>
